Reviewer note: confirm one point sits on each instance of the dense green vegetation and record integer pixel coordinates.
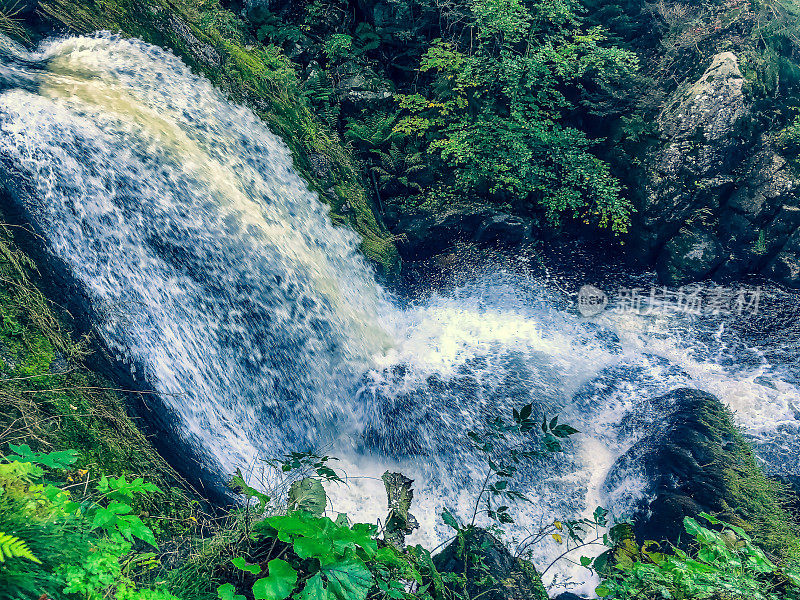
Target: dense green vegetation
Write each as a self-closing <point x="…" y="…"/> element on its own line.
<point x="482" y="95"/>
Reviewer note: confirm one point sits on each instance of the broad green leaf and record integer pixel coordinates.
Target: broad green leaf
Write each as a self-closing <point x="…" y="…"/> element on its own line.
<point x="278" y="584"/>
<point x="228" y="592"/>
<point x="308" y="547"/>
<point x="313" y="590"/>
<point x="309" y="495"/>
<point x="348" y="579"/>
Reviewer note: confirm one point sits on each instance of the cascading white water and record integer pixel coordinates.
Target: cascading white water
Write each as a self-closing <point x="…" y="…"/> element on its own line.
<point x="224" y="286"/>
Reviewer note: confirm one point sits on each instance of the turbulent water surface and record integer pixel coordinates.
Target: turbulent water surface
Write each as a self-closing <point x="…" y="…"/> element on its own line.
<point x="221" y="283"/>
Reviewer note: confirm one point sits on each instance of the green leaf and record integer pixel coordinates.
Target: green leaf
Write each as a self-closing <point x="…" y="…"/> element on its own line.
<point x="53" y="460"/>
<point x="309" y="547"/>
<point x="228" y="592"/>
<point x="450" y="520"/>
<point x="308" y="495"/>
<point x="278" y="584"/>
<point x="348" y="579"/>
<point x="241" y="563"/>
<point x="602" y="591"/>
<point x="313" y="590"/>
<point x="563" y="431"/>
<point x="238" y="484"/>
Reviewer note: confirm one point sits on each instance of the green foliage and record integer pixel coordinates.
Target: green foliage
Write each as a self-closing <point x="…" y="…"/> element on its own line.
<point x="73" y="546"/>
<point x="308" y="495"/>
<point x="313" y="557"/>
<point x="724" y="563"/>
<point x="338" y="47"/>
<point x="13" y="547"/>
<point x="505" y="445"/>
<point x="495" y="109"/>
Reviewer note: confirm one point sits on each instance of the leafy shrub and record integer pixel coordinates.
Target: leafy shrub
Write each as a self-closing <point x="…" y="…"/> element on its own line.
<point x="57" y="545"/>
<point x="494" y="110"/>
<point x="724" y="564"/>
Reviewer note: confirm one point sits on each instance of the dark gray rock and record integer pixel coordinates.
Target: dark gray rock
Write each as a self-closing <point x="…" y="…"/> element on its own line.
<point x="678" y="458"/>
<point x="503" y="229"/>
<point x="689" y="256"/>
<point x="427" y="234"/>
<point x="514" y="578"/>
<point x="785" y="267"/>
<point x="695" y="460"/>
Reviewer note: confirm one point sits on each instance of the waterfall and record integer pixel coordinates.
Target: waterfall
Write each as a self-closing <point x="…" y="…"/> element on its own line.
<point x="218" y="279"/>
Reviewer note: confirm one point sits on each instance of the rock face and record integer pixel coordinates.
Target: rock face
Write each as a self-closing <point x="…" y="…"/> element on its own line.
<point x="515" y="579"/>
<point x="427" y="234"/>
<point x="689" y="256"/>
<point x="691" y="174"/>
<point x="694" y="461"/>
<point x="715" y="203"/>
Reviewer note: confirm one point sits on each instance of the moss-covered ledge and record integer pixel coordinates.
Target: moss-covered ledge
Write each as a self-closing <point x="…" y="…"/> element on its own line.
<point x="208" y="38"/>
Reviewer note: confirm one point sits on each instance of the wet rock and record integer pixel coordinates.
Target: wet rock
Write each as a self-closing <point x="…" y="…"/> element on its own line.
<point x="785" y="267"/>
<point x="689" y="256"/>
<point x="511" y="578"/>
<point x="503" y="229"/>
<point x="361" y="88"/>
<point x="204" y="53"/>
<point x="427" y="234"/>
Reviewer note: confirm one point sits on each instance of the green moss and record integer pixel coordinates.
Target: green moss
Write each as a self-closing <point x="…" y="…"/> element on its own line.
<point x="756" y="501"/>
<point x="261" y="77"/>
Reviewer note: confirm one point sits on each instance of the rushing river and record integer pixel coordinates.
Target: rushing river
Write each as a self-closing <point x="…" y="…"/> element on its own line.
<point x="219" y="281"/>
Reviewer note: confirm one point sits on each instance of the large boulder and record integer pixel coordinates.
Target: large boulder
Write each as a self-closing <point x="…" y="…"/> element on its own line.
<point x="510" y="578"/>
<point x="695" y="460"/>
<point x="716" y="200"/>
<point x="691" y="173"/>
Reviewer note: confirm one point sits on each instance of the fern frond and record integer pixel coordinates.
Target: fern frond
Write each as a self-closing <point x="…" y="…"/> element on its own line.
<point x="13" y="547"/>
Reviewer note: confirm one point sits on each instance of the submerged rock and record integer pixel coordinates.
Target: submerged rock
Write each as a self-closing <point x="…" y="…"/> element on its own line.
<point x="510" y="578"/>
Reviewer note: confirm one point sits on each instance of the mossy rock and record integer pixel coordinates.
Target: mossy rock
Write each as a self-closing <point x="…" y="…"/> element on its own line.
<point x="696" y="460"/>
